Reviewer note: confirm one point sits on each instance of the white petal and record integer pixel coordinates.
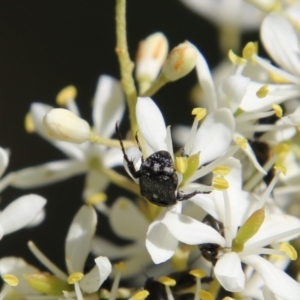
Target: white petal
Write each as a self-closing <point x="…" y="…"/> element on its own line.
<point x="21" y="212"/>
<point x="293" y="119"/>
<point x="135" y="155"/>
<point x="3" y="160"/>
<point x="79" y="238"/>
<point x="95" y="182"/>
<point x="214" y="135"/>
<point x="127" y="221"/>
<point x="93" y="280"/>
<point x="109" y="105"/>
<point x="277" y="94"/>
<point x="231" y="91"/>
<point x="151" y="123"/>
<point x="190" y="231"/>
<point x="160" y="242"/>
<point x="47" y="173"/>
<point x="206" y="82"/>
<point x="281" y="41"/>
<point x="229" y="272"/>
<point x="277" y="280"/>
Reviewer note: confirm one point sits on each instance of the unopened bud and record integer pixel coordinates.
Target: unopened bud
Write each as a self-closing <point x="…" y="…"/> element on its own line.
<point x="151" y="55"/>
<point x="63" y="125"/>
<point x="180" y="61"/>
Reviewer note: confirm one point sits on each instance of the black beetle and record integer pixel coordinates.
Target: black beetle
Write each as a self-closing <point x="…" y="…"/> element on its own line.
<point x="157" y="176"/>
<point x="210" y="251"/>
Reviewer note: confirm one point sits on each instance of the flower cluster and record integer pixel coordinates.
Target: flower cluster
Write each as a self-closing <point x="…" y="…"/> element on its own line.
<point x="216" y="219"/>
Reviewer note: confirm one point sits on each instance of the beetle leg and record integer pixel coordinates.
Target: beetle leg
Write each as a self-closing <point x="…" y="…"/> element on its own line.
<point x="181" y="196"/>
<point x="139" y="145"/>
<point x="130" y="164"/>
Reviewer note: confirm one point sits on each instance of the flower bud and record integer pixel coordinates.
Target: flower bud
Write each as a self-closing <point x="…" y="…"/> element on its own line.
<point x="151" y="55"/>
<point x="63" y="125"/>
<point x="180" y="61"/>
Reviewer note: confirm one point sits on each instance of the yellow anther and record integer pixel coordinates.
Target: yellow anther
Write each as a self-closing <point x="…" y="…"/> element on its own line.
<point x="204" y="295"/>
<point x="241" y="142"/>
<point x="123" y="293"/>
<point x="289" y="250"/>
<point x="249" y="50"/>
<point x="235" y="59"/>
<point x="281" y="149"/>
<point x="277" y="79"/>
<point x="104" y="294"/>
<point x="199" y="113"/>
<point x="141" y="295"/>
<point x="167" y="281"/>
<point x="263" y="91"/>
<point x="120" y="267"/>
<point x="67" y="94"/>
<point x="280" y="168"/>
<point x="10" y="279"/>
<point x="198" y="273"/>
<point x="181" y="164"/>
<point x="96" y="198"/>
<point x="278" y="110"/>
<point x="28" y="123"/>
<point x="221" y="170"/>
<point x="220" y="184"/>
<point x="75" y="277"/>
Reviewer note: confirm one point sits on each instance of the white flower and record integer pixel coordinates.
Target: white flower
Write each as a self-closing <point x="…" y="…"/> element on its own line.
<point x="77" y="249"/>
<point x="108" y="108"/>
<point x="233" y="207"/>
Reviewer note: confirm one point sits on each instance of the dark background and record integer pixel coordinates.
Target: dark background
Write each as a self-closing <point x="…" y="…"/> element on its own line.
<point x="47" y="45"/>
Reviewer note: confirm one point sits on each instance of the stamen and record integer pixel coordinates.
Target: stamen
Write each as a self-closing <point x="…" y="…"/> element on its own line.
<point x="199" y="113"/>
<point x="198" y="273"/>
<point x="140" y="295"/>
<point x="253" y="116"/>
<point x="278" y="110"/>
<point x="66" y="95"/>
<point x="220" y="184"/>
<point x="10" y="279"/>
<point x="75" y="277"/>
<point x="227" y="222"/>
<point x="270" y="188"/>
<point x="241" y="142"/>
<point x="28" y="122"/>
<point x="78" y="291"/>
<point x="96" y="198"/>
<point x="289" y="250"/>
<point x="46" y="262"/>
<point x="221" y="170"/>
<point x="167" y="281"/>
<point x="235" y="59"/>
<point x="263" y="91"/>
<point x="120" y="268"/>
<point x="205" y="295"/>
<point x="181" y="164"/>
<point x="191" y="137"/>
<point x="249" y="50"/>
<point x="4" y="291"/>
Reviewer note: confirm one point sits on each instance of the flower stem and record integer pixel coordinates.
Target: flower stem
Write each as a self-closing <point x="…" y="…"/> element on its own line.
<point x="126" y="65"/>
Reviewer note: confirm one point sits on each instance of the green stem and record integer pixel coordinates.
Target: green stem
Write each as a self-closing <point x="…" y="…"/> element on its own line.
<point x="126" y="65"/>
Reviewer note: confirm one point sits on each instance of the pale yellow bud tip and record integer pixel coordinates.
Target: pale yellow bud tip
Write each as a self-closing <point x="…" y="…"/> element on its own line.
<point x="67" y="94"/>
<point x="63" y="125"/>
<point x="75" y="277"/>
<point x="10" y="279"/>
<point x="180" y="61"/>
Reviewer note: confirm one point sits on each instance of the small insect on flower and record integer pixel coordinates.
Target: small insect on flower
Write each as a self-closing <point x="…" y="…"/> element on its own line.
<point x="211" y="251"/>
<point x="157" y="177"/>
